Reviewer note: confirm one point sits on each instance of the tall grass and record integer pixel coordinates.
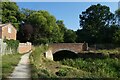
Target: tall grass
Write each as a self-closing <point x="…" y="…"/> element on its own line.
<point x="9" y="62"/>
<point x="110" y="51"/>
<point x="36" y="60"/>
<point x="72" y="68"/>
<point x="109" y="68"/>
<point x="44" y="68"/>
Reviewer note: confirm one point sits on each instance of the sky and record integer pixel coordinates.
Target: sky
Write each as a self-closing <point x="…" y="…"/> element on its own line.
<point x="67" y="11"/>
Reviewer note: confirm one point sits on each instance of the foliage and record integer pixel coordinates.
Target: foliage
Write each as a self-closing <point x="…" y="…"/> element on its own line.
<point x="45" y="27"/>
<point x="12" y="44"/>
<point x="117" y="13"/>
<point x="9" y="62"/>
<point x="62" y="72"/>
<point x="10" y="13"/>
<point x="73" y="68"/>
<point x="69" y="36"/>
<point x="25" y="31"/>
<point x="110" y="51"/>
<point x="44" y="68"/>
<point x="98" y="67"/>
<point x="117" y="36"/>
<point x="36" y="60"/>
<point x="95" y="22"/>
<point x="61" y="25"/>
<point x="38" y="53"/>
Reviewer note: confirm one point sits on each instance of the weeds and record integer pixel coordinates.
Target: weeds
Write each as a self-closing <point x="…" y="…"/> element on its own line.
<point x="101" y="67"/>
<point x="73" y="68"/>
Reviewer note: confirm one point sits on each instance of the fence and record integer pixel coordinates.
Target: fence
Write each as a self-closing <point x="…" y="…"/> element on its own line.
<point x="3" y="48"/>
<point x="22" y="48"/>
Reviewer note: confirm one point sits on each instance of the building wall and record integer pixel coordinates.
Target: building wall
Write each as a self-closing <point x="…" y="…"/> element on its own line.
<point x="24" y="47"/>
<point x="9" y="32"/>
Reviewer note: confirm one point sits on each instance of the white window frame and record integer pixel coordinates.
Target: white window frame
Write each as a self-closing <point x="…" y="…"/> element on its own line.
<point x="9" y="30"/>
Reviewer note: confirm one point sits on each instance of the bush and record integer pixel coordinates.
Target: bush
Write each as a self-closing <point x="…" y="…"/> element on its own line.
<point x="97" y="67"/>
<point x="12" y="44"/>
<point x="36" y="61"/>
<point x="62" y="72"/>
<point x="117" y="37"/>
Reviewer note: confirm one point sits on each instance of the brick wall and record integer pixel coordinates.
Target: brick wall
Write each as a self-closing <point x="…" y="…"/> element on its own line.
<point x="76" y="47"/>
<point x="24" y="47"/>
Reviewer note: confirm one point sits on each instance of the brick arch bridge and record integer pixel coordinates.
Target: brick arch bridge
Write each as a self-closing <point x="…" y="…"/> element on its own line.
<point x="73" y="47"/>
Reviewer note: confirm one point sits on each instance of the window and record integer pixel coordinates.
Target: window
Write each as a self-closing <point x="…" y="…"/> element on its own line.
<point x="9" y="30"/>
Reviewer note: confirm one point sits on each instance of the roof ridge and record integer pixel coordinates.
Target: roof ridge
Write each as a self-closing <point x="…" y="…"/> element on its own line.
<point x="2" y="25"/>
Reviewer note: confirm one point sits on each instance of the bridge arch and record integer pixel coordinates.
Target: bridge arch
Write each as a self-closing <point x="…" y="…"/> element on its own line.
<point x="64" y="54"/>
<point x="58" y="50"/>
<point x="69" y="47"/>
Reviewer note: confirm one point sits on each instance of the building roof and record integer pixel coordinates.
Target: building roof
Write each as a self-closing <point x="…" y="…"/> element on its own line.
<point x="3" y="25"/>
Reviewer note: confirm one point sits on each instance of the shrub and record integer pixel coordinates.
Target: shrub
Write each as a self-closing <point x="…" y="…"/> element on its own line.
<point x="101" y="67"/>
<point x="62" y="72"/>
<point x="12" y="44"/>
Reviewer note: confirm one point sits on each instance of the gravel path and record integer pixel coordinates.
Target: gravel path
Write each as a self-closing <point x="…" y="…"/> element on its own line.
<point x="22" y="70"/>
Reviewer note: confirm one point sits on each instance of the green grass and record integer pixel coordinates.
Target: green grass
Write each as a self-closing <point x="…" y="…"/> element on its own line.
<point x="36" y="59"/>
<point x="72" y="68"/>
<point x="9" y="62"/>
<point x="44" y="68"/>
<point x="109" y="68"/>
<point x="111" y="51"/>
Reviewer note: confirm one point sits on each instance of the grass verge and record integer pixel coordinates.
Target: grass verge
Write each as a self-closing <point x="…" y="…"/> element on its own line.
<point x="9" y="62"/>
<point x="44" y="68"/>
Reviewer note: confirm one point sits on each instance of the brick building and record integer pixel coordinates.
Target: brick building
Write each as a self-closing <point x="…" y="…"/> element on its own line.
<point x="7" y="31"/>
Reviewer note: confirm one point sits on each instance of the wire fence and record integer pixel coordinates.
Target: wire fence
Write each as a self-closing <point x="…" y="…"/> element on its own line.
<point x="4" y="49"/>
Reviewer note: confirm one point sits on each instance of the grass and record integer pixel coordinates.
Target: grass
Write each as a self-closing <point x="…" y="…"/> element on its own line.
<point x="99" y="68"/>
<point x="110" y="51"/>
<point x="44" y="68"/>
<point x="72" y="68"/>
<point x="9" y="62"/>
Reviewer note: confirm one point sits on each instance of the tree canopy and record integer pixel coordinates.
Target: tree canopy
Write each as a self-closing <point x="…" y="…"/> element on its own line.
<point x="10" y="13"/>
<point x="95" y="22"/>
<point x="44" y="27"/>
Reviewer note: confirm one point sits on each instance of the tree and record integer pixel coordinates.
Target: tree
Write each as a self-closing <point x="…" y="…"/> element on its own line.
<point x="81" y="36"/>
<point x="25" y="31"/>
<point x="25" y="13"/>
<point x="117" y="37"/>
<point x="61" y="25"/>
<point x="45" y="28"/>
<point x="10" y="13"/>
<point x="69" y="36"/>
<point x="95" y="21"/>
<point x="117" y="12"/>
